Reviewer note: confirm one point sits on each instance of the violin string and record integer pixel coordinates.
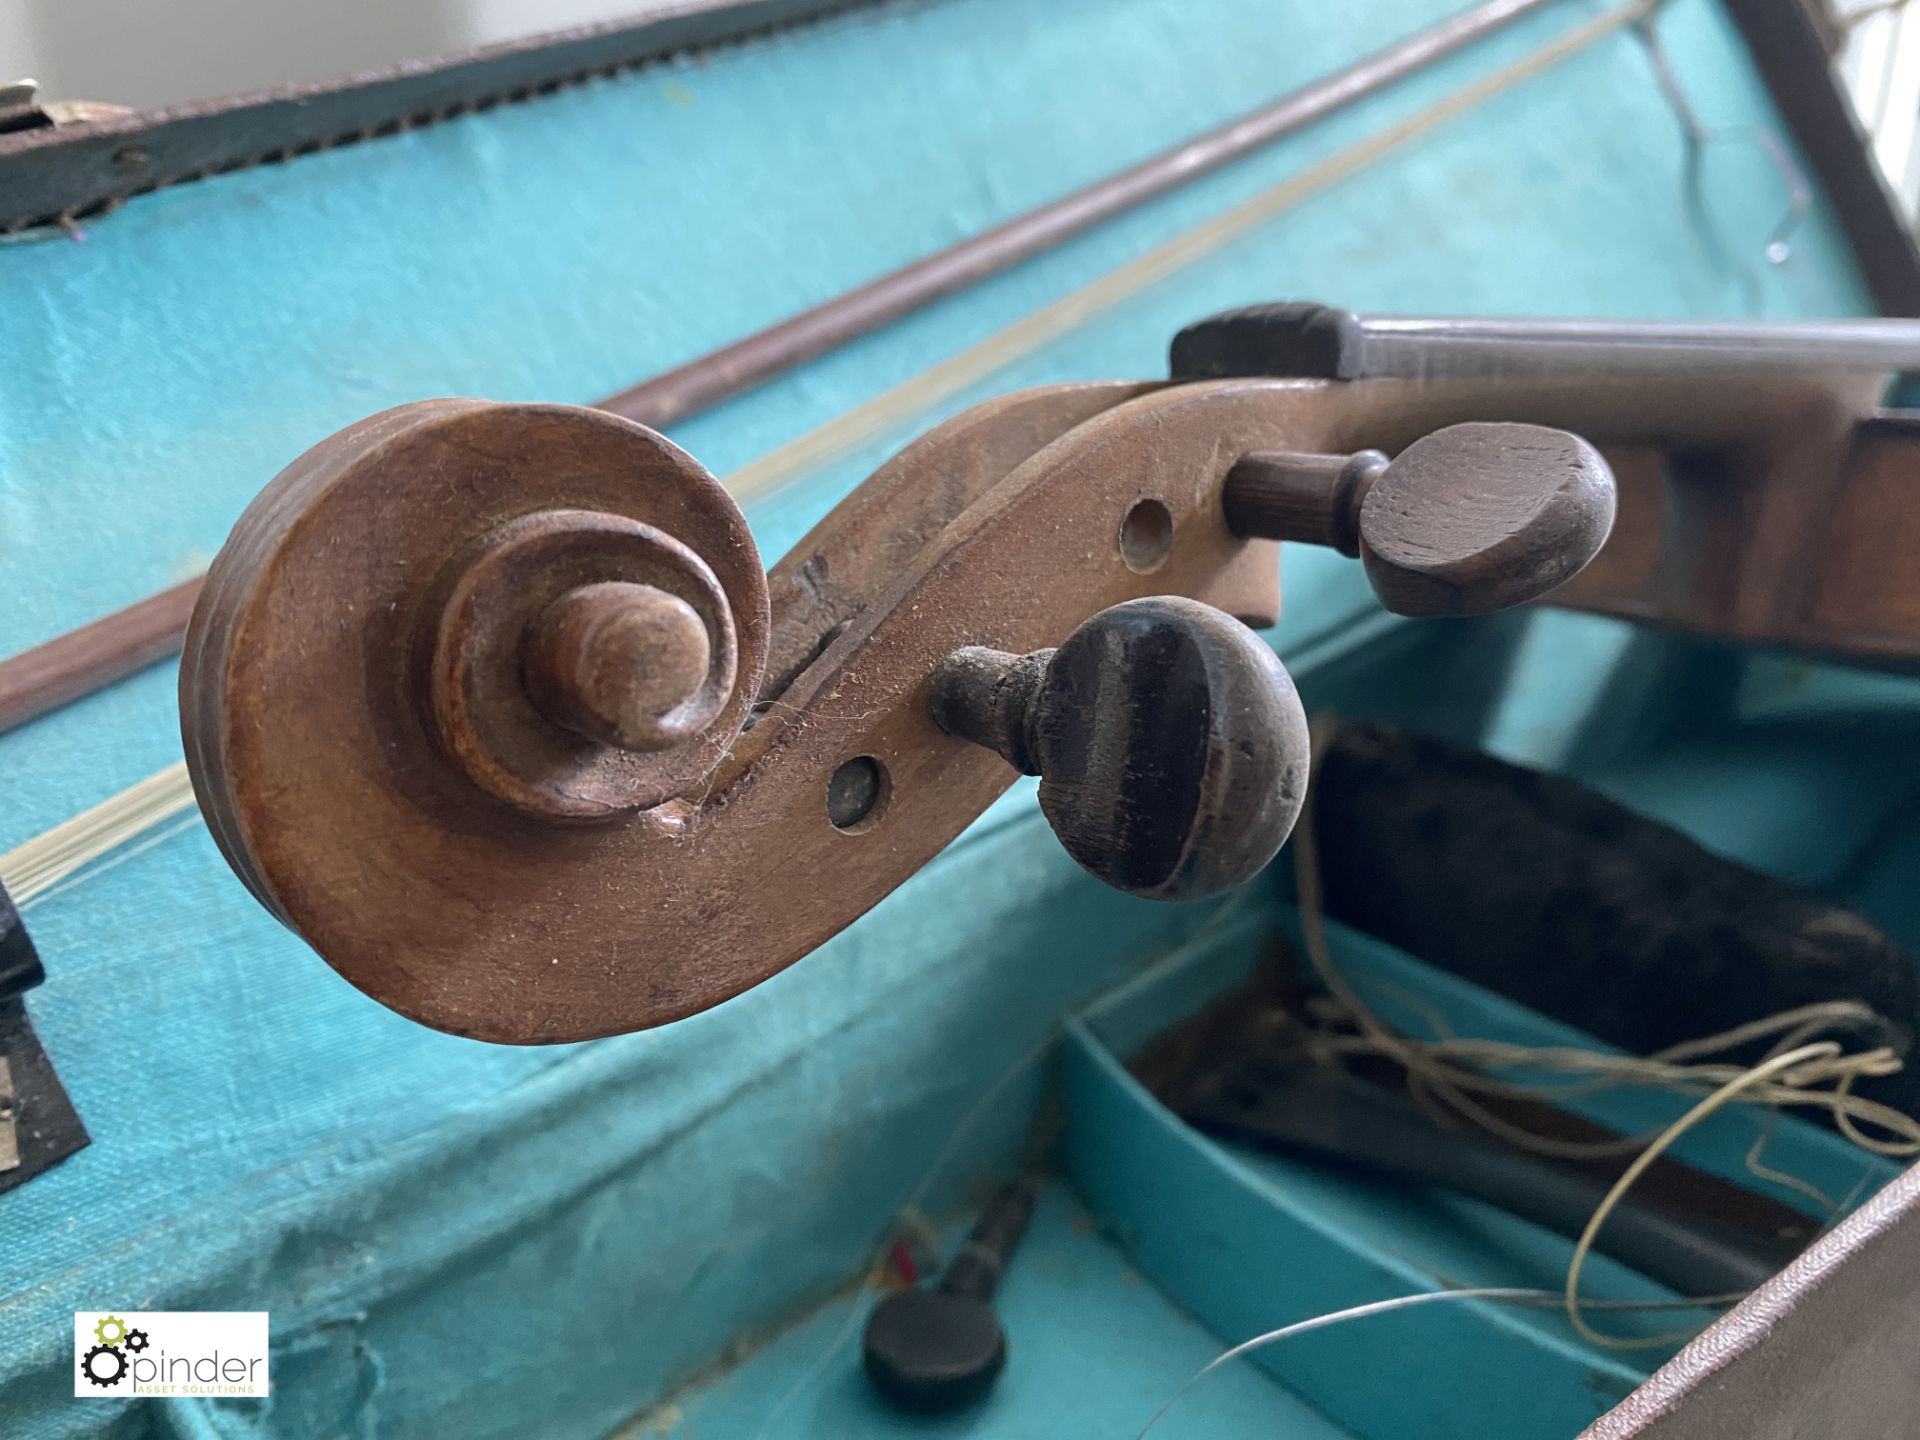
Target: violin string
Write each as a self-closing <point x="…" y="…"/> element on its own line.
<point x="1798" y="1062"/>
<point x="1502" y="1295"/>
<point x="1698" y="137"/>
<point x="930" y="1177"/>
<point x="1778" y="1064"/>
<point x="1611" y="1071"/>
<point x="1435" y="1060"/>
<point x="120" y="816"/>
<point x="1829" y="1207"/>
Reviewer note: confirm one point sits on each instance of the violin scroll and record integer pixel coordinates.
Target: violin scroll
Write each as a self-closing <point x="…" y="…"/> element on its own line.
<point x="475" y="699"/>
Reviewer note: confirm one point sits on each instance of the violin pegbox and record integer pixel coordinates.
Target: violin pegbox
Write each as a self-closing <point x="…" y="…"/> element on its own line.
<point x="475" y="700"/>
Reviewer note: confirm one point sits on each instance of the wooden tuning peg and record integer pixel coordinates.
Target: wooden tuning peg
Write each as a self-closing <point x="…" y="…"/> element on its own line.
<point x="1468" y="520"/>
<point x="1171" y="747"/>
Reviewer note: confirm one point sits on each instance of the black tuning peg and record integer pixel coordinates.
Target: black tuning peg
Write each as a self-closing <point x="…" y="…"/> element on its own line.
<point x="1171" y="747"/>
<point x="1468" y="520"/>
<point x="934" y="1350"/>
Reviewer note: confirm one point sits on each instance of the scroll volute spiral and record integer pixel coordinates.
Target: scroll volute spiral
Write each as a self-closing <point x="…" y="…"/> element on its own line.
<point x="567" y="626"/>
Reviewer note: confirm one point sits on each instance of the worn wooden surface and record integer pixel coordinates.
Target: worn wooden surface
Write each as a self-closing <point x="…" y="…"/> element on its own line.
<point x="326" y="790"/>
<point x="1800" y="534"/>
<point x="1477" y="517"/>
<point x="629" y="665"/>
<point x="424" y="543"/>
<point x="1774" y="529"/>
<point x="782" y="834"/>
<point x="523" y="648"/>
<point x="1471" y="519"/>
<point x="1811" y="548"/>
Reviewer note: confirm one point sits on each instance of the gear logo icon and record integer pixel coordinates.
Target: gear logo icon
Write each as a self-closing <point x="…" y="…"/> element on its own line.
<point x="110" y="1361"/>
<point x="104" y="1365"/>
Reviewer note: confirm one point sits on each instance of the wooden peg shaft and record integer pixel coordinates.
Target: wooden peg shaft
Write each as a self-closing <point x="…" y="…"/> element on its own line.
<point x="623" y="664"/>
<point x="1316" y="499"/>
<point x="1468" y="520"/>
<point x="581" y="663"/>
<point x="989" y="697"/>
<point x="1170" y="745"/>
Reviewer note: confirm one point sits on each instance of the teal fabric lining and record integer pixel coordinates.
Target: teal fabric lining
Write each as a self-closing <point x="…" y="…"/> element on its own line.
<point x="1148" y="1348"/>
<point x="460" y="1239"/>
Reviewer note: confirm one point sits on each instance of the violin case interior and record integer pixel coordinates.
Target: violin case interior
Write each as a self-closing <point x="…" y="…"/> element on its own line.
<point x="664" y="1231"/>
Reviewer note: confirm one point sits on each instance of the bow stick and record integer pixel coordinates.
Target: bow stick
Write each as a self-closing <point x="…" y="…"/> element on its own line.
<point x="93" y="656"/>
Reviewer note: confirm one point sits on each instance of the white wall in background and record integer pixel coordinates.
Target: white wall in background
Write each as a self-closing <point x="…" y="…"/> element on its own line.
<point x="490" y="20"/>
<point x="145" y="53"/>
<point x="16" y="36"/>
<point x="1879" y="61"/>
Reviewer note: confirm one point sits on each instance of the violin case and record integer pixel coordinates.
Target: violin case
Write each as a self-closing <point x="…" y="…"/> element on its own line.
<point x="667" y="1233"/>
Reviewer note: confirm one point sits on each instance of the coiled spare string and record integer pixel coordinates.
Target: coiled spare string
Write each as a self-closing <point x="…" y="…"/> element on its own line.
<point x="53" y="857"/>
<point x="1798" y="1071"/>
<point x="162" y="805"/>
<point x="776" y="1419"/>
<point x="1786" y="1075"/>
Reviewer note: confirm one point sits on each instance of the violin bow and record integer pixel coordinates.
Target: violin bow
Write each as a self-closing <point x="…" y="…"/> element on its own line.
<point x="71" y="666"/>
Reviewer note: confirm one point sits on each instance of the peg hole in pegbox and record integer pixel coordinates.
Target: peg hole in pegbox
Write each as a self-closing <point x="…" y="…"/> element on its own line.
<point x="857" y="794"/>
<point x="1146" y="536"/>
